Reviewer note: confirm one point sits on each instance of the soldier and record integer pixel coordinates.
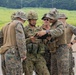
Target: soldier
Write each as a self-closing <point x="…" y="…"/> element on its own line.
<point x="13" y="50"/>
<point x="47" y="54"/>
<point x="58" y="48"/>
<point x="70" y="30"/>
<point x="46" y="23"/>
<point x="35" y="48"/>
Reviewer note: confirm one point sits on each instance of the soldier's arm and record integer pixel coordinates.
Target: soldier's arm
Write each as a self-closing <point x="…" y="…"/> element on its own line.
<point x="20" y="39"/>
<point x="73" y="29"/>
<point x="73" y="41"/>
<point x="58" y="31"/>
<point x="28" y="40"/>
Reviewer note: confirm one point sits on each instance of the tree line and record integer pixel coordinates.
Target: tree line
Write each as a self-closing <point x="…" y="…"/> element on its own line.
<point x="60" y="4"/>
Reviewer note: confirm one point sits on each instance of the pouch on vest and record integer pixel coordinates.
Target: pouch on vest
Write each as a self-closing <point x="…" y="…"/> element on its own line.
<point x="32" y="48"/>
<point x="52" y="45"/>
<point x="41" y="48"/>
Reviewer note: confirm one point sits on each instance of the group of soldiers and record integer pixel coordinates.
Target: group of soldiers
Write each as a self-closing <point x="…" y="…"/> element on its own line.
<point x="45" y="50"/>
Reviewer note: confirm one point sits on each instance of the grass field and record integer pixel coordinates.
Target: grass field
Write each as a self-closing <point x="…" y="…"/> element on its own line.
<point x="5" y="14"/>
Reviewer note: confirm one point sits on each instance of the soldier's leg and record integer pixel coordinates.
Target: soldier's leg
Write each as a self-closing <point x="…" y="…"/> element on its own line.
<point x="63" y="60"/>
<point x="72" y="62"/>
<point x="13" y="62"/>
<point x="53" y="67"/>
<point x="40" y="66"/>
<point x="3" y="65"/>
<point x="28" y="67"/>
<point x="47" y="57"/>
<point x="24" y="66"/>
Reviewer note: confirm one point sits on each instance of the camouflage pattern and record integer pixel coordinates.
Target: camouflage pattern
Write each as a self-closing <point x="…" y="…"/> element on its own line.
<point x="19" y="14"/>
<point x="3" y="66"/>
<point x="58" y="28"/>
<point x="35" y="60"/>
<point x="54" y="11"/>
<point x="32" y="15"/>
<point x="50" y="57"/>
<point x="50" y="51"/>
<point x="12" y="62"/>
<point x="72" y="62"/>
<point x="11" y="59"/>
<point x="53" y="14"/>
<point x="47" y="56"/>
<point x="62" y="16"/>
<point x="60" y="57"/>
<point x="70" y="30"/>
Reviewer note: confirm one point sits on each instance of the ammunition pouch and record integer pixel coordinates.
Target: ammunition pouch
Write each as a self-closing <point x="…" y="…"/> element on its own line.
<point x="32" y="48"/>
<point x="36" y="47"/>
<point x="51" y="44"/>
<point x="41" y="48"/>
<point x="52" y="47"/>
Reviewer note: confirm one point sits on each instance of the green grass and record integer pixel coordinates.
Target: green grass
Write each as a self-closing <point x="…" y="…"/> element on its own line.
<point x="5" y="14"/>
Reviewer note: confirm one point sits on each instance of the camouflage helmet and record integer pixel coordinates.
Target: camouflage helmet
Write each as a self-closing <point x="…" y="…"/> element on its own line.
<point x="53" y="14"/>
<point x="32" y="15"/>
<point x="62" y="16"/>
<point x="19" y="14"/>
<point x="44" y="16"/>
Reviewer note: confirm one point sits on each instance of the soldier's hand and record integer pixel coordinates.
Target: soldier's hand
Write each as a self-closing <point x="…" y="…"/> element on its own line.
<point x="69" y="45"/>
<point x="47" y="27"/>
<point x="32" y="38"/>
<point x="41" y="33"/>
<point x="23" y="58"/>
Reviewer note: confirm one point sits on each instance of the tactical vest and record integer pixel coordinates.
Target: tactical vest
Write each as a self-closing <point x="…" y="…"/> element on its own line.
<point x="33" y="47"/>
<point x="68" y="33"/>
<point x="52" y="45"/>
<point x="61" y="39"/>
<point x="65" y="38"/>
<point x="9" y="36"/>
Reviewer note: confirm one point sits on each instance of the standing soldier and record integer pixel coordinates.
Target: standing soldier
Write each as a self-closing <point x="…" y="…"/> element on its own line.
<point x="69" y="31"/>
<point x="35" y="48"/>
<point x="13" y="50"/>
<point x="59" y="49"/>
<point x="47" y="54"/>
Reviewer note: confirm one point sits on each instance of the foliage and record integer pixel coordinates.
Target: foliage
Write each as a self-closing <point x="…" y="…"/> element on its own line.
<point x="60" y="4"/>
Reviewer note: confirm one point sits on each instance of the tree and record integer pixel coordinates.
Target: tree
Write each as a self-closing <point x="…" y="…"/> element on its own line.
<point x="61" y="4"/>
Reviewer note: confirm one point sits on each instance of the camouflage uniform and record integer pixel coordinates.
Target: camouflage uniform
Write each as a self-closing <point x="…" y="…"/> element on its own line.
<point x="14" y="47"/>
<point x="58" y="48"/>
<point x="70" y="30"/>
<point x="35" y="60"/>
<point x="47" y="54"/>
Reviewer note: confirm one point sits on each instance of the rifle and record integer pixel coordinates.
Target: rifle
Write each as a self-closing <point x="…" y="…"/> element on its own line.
<point x="42" y="37"/>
